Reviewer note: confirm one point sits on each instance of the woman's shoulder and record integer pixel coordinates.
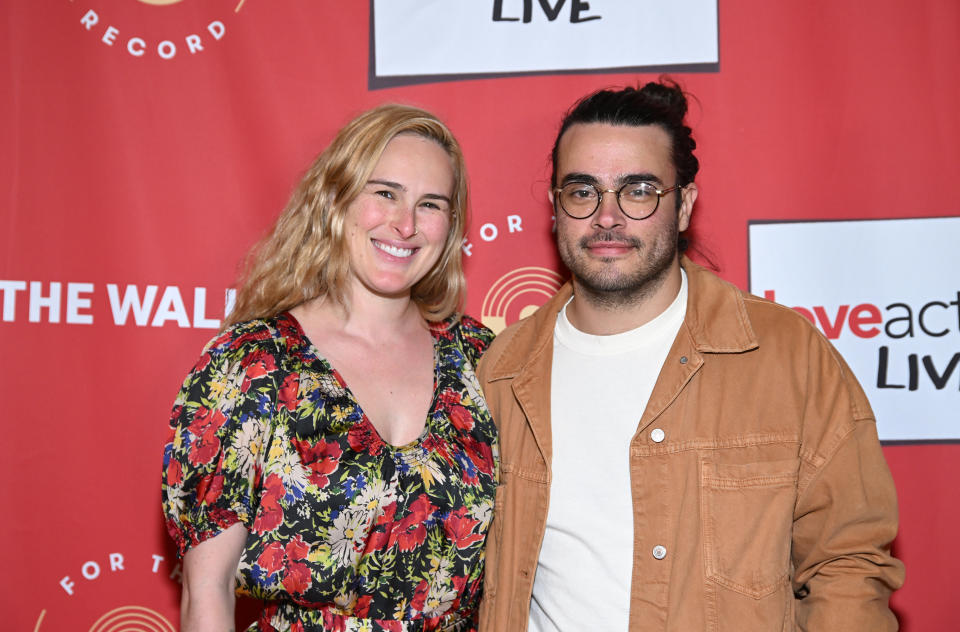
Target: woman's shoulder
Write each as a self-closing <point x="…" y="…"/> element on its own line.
<point x="243" y="337"/>
<point x="259" y="336"/>
<point x="472" y="335"/>
<point x="473" y="327"/>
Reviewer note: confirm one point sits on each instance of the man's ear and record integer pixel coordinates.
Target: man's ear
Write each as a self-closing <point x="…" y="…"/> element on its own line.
<point x="688" y="196"/>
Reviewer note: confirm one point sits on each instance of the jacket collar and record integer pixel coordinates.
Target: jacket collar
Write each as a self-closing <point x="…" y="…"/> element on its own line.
<point x="716" y="320"/>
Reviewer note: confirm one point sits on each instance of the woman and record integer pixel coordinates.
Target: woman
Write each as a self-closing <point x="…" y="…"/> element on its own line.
<point x="331" y="452"/>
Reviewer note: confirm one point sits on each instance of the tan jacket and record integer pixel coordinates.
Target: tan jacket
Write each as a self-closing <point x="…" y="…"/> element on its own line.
<point x="767" y="489"/>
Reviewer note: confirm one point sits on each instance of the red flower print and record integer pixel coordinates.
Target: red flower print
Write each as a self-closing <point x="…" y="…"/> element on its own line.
<point x="270" y="515"/>
<point x="287" y="394"/>
<point x="321" y="457"/>
<point x="206" y="419"/>
<point x="459" y="528"/>
<point x="480" y="453"/>
<point x="440" y="331"/>
<point x="174" y="472"/>
<point x="271" y="559"/>
<point x="362" y="608"/>
<point x="461" y="418"/>
<point x="362" y="438"/>
<point x="379" y="536"/>
<point x="268" y="519"/>
<point x="438" y="445"/>
<point x="392" y="626"/>
<point x="258" y="364"/>
<point x="203" y="449"/>
<point x="449" y="396"/>
<point x="204" y="428"/>
<point x="410" y="538"/>
<point x="410" y="532"/>
<point x="421" y="508"/>
<point x="459" y="583"/>
<point x="296" y="577"/>
<point x="204" y="359"/>
<point x="210" y="488"/>
<point x="334" y="622"/>
<point x="222" y="517"/>
<point x="388" y="515"/>
<point x="420" y="595"/>
<point x="297" y="549"/>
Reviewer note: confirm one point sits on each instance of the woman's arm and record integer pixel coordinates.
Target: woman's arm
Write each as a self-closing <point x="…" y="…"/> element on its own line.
<point x="209" y="571"/>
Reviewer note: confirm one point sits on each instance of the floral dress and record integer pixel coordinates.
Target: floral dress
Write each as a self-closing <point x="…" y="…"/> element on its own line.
<point x="346" y="532"/>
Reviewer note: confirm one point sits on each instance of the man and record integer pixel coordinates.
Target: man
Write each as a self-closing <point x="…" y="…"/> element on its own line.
<point x="676" y="454"/>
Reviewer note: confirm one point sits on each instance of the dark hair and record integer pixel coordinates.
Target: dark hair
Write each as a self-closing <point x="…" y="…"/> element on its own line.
<point x="660" y="103"/>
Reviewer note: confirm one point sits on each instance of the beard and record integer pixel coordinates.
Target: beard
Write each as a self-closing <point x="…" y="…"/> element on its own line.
<point x="607" y="282"/>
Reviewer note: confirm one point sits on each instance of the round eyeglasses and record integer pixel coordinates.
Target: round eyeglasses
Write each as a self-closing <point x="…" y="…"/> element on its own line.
<point x="637" y="200"/>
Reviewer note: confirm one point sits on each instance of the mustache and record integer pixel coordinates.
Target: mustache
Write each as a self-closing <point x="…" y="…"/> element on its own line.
<point x="601" y="236"/>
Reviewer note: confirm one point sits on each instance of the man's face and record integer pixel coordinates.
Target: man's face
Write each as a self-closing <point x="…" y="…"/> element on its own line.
<point x="612" y="257"/>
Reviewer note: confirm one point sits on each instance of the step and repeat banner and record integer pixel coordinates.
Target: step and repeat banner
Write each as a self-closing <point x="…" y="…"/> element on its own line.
<point x="148" y="144"/>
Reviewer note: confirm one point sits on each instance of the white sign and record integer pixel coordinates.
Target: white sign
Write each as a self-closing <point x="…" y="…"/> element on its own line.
<point x="451" y="37"/>
<point x="887" y="295"/>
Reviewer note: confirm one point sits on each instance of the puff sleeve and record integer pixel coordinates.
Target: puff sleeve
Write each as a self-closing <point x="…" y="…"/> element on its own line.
<point x="213" y="457"/>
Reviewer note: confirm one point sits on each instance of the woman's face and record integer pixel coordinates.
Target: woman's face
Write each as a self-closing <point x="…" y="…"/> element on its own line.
<point x="397" y="227"/>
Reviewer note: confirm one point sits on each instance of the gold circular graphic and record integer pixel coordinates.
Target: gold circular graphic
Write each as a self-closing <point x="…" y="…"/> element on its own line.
<point x="132" y="619"/>
<point x="531" y="282"/>
<point x="161" y="3"/>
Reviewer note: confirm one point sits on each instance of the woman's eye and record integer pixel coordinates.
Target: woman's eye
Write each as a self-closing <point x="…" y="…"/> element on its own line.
<point x="386" y="193"/>
<point x="433" y="206"/>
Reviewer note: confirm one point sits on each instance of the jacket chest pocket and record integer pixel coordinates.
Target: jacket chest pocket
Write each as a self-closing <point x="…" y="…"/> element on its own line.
<point x="747" y="521"/>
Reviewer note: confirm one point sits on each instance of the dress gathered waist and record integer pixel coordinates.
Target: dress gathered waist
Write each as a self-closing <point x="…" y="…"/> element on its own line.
<point x="280" y="616"/>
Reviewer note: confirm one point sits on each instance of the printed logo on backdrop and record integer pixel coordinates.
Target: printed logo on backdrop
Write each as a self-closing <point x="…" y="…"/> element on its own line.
<point x="126" y="618"/>
<point x="516" y="295"/>
<point x="78" y="602"/>
<point x="887" y="295"/>
<point x="82" y="303"/>
<point x="455" y="40"/>
<point x="157" y="29"/>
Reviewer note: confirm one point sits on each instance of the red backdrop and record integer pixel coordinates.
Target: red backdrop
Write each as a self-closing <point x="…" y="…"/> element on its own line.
<point x="124" y="169"/>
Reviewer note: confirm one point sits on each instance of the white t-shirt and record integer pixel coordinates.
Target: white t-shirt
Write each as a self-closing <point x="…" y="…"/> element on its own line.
<point x="599" y="389"/>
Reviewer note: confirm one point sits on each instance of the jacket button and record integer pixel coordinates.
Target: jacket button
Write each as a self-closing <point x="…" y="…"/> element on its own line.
<point x="657" y="435"/>
<point x="659" y="552"/>
<point x="683" y="359"/>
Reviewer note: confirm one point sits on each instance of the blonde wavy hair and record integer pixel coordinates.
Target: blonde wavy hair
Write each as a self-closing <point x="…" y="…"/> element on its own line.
<point x="305" y="255"/>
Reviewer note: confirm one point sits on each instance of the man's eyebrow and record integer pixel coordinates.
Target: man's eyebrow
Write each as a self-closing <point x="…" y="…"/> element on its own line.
<point x="638" y="177"/>
<point x="619" y="182"/>
<point x="579" y="177"/>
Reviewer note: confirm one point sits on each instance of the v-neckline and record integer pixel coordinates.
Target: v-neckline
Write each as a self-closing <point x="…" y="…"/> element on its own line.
<point x="364" y="419"/>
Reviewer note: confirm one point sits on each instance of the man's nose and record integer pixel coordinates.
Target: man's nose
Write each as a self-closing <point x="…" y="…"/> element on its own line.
<point x="608" y="213"/>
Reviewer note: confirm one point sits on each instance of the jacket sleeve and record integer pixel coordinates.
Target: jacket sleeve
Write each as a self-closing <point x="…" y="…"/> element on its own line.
<point x="846" y="514"/>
